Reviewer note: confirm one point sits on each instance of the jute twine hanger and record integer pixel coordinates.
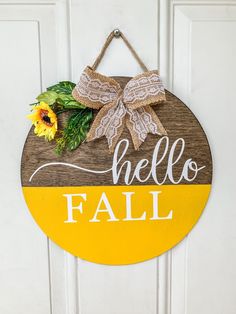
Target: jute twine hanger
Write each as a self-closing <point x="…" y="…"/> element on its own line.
<point x="118" y="34"/>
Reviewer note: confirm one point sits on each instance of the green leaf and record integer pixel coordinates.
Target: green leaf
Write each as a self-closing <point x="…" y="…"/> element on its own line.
<point x="48" y="97"/>
<point x="35" y="103"/>
<point x="64" y="87"/>
<point x="75" y="132"/>
<point x="68" y="102"/>
<point x="59" y="97"/>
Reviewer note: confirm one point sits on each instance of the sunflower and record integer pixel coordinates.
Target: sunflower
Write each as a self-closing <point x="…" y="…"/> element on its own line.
<point x="44" y="120"/>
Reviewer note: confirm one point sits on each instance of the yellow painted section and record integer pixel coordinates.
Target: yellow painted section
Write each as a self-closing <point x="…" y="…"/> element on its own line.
<point x="117" y="242"/>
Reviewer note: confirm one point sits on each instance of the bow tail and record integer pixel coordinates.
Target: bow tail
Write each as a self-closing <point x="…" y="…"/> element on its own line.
<point x="109" y="122"/>
<point x="142" y="121"/>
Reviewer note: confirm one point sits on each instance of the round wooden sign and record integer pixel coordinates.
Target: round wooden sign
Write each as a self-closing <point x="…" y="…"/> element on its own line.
<point x="127" y="206"/>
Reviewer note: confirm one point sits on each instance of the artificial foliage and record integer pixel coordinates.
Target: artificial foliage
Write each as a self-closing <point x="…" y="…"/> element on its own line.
<point x="45" y="112"/>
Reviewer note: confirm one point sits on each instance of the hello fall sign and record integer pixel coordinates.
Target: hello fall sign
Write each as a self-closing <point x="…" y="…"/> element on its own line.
<point x="124" y="206"/>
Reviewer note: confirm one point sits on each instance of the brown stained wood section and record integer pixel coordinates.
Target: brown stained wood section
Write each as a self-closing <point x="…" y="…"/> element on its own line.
<point x="178" y="121"/>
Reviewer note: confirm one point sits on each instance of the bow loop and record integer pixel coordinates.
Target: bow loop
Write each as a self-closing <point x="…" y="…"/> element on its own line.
<point x="130" y="107"/>
<point x="144" y="89"/>
<point x="95" y="90"/>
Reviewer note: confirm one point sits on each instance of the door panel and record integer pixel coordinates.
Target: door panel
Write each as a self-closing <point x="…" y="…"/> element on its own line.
<point x="204" y="49"/>
<point x="24" y="250"/>
<point x="28" y="64"/>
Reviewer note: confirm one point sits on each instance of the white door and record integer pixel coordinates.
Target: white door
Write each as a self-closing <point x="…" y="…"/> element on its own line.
<point x="193" y="43"/>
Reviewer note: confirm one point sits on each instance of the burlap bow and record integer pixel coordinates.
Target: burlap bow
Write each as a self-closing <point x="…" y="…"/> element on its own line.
<point x="130" y="107"/>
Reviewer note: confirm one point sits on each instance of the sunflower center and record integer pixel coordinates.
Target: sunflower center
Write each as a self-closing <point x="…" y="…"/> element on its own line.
<point x="45" y="118"/>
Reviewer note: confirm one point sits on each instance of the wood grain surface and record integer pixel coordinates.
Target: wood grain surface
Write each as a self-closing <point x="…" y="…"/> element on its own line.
<point x="175" y="116"/>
